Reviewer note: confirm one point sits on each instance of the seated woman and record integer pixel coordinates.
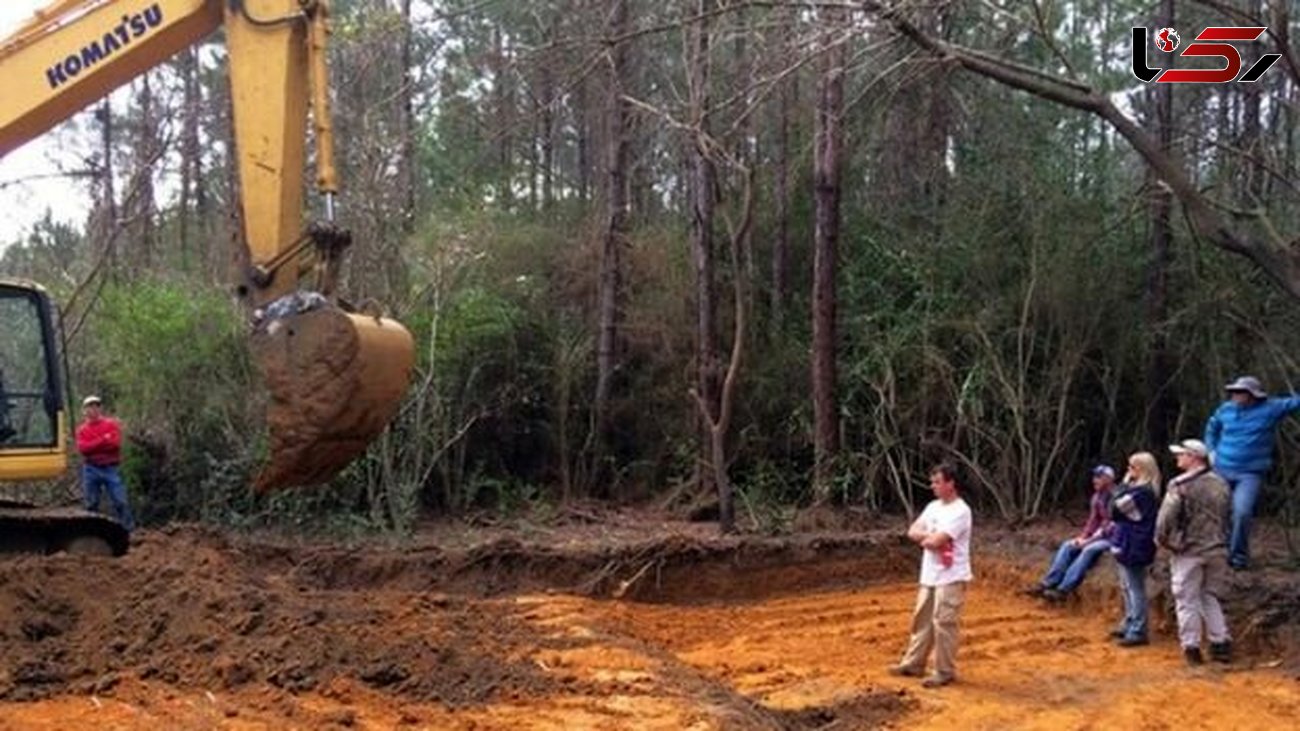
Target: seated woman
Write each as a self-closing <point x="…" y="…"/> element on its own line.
<point x="1077" y="555"/>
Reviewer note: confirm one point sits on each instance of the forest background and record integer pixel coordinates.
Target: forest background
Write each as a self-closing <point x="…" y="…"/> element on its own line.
<point x="785" y="253"/>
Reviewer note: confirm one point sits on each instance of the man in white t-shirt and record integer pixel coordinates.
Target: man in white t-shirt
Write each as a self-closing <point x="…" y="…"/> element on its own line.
<point x="943" y="532"/>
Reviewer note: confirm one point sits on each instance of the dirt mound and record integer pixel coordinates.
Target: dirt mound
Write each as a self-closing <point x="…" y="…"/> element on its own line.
<point x="186" y="609"/>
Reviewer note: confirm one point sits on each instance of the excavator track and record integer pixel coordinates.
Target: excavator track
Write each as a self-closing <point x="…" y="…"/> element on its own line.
<point x="27" y="528"/>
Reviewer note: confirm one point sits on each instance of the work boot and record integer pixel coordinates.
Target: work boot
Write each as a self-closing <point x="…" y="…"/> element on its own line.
<point x="1221" y="651"/>
<point x="1117" y="634"/>
<point x="938" y="680"/>
<point x="1133" y="641"/>
<point x="1035" y="590"/>
<point x="905" y="671"/>
<point x="1193" y="656"/>
<point x="1054" y="596"/>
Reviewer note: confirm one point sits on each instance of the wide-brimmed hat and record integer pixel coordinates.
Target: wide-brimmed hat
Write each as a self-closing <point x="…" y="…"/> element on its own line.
<point x="87" y="401"/>
<point x="1191" y="446"/>
<point x="1248" y="384"/>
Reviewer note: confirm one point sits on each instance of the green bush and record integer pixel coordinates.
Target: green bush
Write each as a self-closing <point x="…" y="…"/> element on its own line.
<point x="171" y="362"/>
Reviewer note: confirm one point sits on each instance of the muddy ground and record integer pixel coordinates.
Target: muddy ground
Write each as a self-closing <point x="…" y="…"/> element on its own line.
<point x="599" y="621"/>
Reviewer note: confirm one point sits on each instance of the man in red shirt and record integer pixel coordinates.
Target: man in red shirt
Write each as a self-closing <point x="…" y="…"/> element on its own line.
<point x="99" y="440"/>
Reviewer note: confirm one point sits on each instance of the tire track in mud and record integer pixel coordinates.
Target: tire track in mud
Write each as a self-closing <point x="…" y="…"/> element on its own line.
<point x="616" y="662"/>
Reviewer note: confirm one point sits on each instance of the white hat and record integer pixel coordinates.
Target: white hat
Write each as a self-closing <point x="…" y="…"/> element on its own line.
<point x="1191" y="446"/>
<point x="90" y="400"/>
<point x="1247" y="384"/>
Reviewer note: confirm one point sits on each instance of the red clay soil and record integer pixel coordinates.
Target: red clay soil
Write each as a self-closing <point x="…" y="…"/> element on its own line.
<point x="627" y="622"/>
<point x="190" y="609"/>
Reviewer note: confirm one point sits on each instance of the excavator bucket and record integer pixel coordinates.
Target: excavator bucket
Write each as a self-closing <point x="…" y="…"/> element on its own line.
<point x="335" y="379"/>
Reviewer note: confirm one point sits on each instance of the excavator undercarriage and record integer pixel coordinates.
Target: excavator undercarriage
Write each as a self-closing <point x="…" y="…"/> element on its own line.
<point x="28" y="528"/>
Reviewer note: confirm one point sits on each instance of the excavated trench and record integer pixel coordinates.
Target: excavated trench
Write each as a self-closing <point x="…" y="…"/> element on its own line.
<point x="194" y="629"/>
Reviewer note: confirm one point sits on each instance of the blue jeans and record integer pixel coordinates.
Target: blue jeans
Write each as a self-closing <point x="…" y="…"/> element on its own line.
<point x="1072" y="564"/>
<point x="95" y="478"/>
<point x="1245" y="491"/>
<point x="1133" y="580"/>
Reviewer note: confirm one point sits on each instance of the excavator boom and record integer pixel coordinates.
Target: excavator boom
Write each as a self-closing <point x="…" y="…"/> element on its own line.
<point x="335" y="378"/>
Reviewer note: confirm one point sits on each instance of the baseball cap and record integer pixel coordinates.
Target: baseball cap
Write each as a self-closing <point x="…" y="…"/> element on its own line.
<point x="1103" y="469"/>
<point x="90" y="400"/>
<point x="1190" y="446"/>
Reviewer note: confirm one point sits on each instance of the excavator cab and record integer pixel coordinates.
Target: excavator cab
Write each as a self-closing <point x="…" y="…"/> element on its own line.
<point x="33" y="424"/>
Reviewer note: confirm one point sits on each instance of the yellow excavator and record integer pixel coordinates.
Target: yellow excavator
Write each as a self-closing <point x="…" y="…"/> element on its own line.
<point x="335" y="377"/>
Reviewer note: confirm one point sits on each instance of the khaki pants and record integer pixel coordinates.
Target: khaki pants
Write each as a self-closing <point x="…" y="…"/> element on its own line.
<point x="934" y="624"/>
<point x="1197" y="583"/>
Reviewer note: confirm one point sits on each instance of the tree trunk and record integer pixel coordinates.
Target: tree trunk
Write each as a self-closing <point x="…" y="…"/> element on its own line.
<point x="504" y="90"/>
<point x="719" y="420"/>
<point x="407" y="125"/>
<point x="826" y="180"/>
<point x="1160" y="369"/>
<point x="146" y="154"/>
<point x="189" y="153"/>
<point x="582" y="120"/>
<point x="702" y="208"/>
<point x="106" y="213"/>
<point x="548" y="125"/>
<point x="786" y="100"/>
<point x="534" y="156"/>
<point x="614" y="235"/>
<point x="744" y="80"/>
<point x="911" y="175"/>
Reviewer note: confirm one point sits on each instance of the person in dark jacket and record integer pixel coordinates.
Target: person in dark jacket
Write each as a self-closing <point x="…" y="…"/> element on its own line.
<point x="1133" y="543"/>
<point x="1240" y="436"/>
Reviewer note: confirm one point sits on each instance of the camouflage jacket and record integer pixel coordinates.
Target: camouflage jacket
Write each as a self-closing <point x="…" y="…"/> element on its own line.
<point x="1195" y="516"/>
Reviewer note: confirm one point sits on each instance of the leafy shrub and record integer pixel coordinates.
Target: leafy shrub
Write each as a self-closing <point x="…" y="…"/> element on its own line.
<point x="172" y="363"/>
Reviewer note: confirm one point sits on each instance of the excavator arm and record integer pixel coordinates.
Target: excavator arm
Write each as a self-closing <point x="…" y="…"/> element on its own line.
<point x="335" y="378"/>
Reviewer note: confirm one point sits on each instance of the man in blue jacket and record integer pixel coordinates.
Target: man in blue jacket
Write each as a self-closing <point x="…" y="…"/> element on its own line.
<point x="1240" y="436"/>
